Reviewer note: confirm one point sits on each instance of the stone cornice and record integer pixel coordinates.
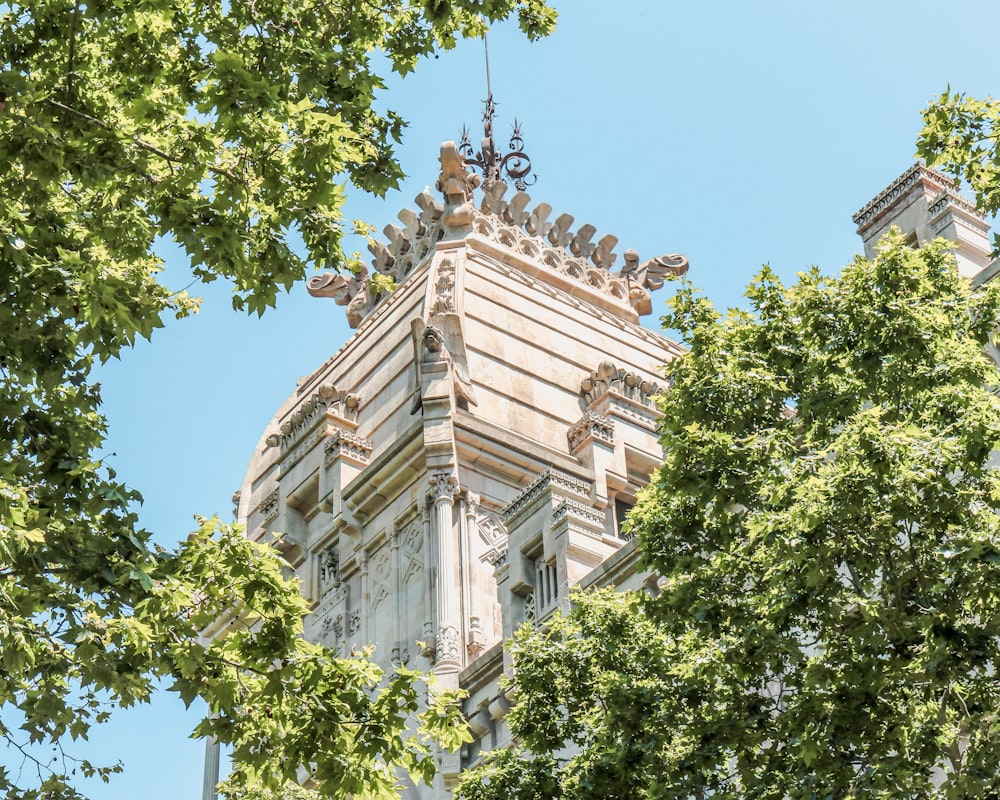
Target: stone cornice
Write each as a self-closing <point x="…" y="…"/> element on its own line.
<point x="574" y="509"/>
<point x="610" y="378"/>
<point x="547" y="479"/>
<point x="894" y="191"/>
<point x="951" y="198"/>
<point x="325" y="400"/>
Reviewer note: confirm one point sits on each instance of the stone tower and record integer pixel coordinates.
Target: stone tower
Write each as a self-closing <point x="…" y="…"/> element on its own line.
<point x="470" y="453"/>
<point x="925" y="205"/>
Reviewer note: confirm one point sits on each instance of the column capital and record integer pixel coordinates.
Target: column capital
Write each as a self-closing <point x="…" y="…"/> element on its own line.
<point x="443" y="485"/>
<point x="472" y="501"/>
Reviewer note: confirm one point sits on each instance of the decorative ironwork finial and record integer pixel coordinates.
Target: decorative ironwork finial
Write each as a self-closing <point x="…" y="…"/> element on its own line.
<point x="494" y="166"/>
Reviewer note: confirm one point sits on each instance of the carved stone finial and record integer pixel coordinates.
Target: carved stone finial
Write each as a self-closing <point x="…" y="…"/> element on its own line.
<point x="602" y="255"/>
<point x="515" y="213"/>
<point x="536" y="224"/>
<point x="455" y="182"/>
<point x="631" y="263"/>
<point x="580" y="244"/>
<point x="559" y="233"/>
<point x="430" y="209"/>
<point x="493" y="202"/>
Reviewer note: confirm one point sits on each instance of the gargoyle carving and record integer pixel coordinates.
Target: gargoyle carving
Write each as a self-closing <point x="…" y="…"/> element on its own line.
<point x="442" y="339"/>
<point x="335" y="285"/>
<point x="353" y="292"/>
<point x="651" y="274"/>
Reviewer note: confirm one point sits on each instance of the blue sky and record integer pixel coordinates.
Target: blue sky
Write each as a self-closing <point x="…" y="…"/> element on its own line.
<point x="732" y="132"/>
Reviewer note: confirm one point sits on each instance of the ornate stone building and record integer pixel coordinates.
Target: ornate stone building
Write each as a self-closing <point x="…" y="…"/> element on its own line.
<point x="471" y="451"/>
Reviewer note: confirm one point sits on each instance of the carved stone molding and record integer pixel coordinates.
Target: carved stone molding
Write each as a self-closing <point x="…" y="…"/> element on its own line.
<point x="528" y="609"/>
<point x="472" y="501"/>
<point x="477" y="640"/>
<point x="609" y="378"/>
<point x="348" y="445"/>
<point x="493" y="533"/>
<point x="327" y="398"/>
<point x="268" y="507"/>
<point x="329" y="567"/>
<point x="591" y="426"/>
<point x="411" y="545"/>
<point x="448" y="644"/>
<point x="440" y="338"/>
<point x="400" y="655"/>
<point x="557" y="259"/>
<point x="444" y="289"/>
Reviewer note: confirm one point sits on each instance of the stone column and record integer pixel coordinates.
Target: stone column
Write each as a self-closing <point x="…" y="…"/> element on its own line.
<point x="397" y="649"/>
<point x="365" y="599"/>
<point x="448" y="642"/>
<point x="208" y="791"/>
<point x="470" y="599"/>
<point x="430" y="583"/>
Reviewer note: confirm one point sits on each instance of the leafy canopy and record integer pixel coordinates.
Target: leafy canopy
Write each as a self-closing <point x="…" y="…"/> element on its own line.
<point x="825" y="530"/>
<point x="226" y="128"/>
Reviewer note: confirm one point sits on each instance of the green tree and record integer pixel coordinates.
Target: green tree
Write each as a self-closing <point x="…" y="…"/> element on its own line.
<point x="961" y="135"/>
<point x="231" y="129"/>
<point x="825" y="532"/>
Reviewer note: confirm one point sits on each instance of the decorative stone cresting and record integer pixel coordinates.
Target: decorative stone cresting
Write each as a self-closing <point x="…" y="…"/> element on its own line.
<point x="895" y="190"/>
<point x="539" y="485"/>
<point x="573" y="254"/>
<point x="609" y="378"/>
<point x="591" y="425"/>
<point x="953" y="198"/>
<point x="573" y="508"/>
<point x="555" y="243"/>
<point x="345" y="443"/>
<point x="326" y="398"/>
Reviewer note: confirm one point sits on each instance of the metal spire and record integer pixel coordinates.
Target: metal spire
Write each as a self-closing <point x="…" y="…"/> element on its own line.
<point x="515" y="165"/>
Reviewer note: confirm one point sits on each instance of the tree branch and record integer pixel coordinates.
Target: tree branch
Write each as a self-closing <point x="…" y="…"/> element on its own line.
<point x="141" y="143"/>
